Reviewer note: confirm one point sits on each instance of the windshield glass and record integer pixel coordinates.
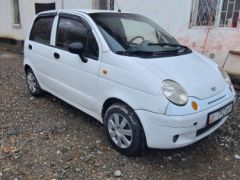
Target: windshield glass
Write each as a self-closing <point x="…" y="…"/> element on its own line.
<point x="132" y="34"/>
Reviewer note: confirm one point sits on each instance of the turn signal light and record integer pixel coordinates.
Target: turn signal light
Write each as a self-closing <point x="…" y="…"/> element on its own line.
<point x="194" y="105"/>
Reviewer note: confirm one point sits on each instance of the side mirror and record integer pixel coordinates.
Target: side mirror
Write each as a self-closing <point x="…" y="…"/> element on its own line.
<point x="77" y="48"/>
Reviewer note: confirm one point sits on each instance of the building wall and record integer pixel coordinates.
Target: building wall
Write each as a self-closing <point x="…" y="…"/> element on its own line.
<point x="77" y="4"/>
<point x="27" y="13"/>
<point x="174" y="16"/>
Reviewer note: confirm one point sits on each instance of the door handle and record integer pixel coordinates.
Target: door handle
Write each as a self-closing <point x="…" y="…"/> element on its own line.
<point x="56" y="55"/>
<point x="30" y="46"/>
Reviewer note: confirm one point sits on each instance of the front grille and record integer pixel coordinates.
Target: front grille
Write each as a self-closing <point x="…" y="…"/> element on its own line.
<point x="206" y="128"/>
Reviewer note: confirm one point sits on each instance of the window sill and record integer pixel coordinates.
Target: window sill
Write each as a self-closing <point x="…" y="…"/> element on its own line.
<point x="16" y="26"/>
<point x="229" y="28"/>
<point x="214" y="27"/>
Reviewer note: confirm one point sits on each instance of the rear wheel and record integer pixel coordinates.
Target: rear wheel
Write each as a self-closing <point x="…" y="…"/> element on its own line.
<point x="32" y="83"/>
<point x="124" y="129"/>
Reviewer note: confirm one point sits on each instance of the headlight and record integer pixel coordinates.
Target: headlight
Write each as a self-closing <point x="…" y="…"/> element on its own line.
<point x="225" y="76"/>
<point x="174" y="92"/>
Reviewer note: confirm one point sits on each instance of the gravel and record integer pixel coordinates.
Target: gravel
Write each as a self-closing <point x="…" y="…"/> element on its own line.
<point x="45" y="138"/>
<point x="237" y="157"/>
<point x="117" y="173"/>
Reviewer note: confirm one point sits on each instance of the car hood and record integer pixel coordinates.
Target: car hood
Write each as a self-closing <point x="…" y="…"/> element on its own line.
<point x="198" y="75"/>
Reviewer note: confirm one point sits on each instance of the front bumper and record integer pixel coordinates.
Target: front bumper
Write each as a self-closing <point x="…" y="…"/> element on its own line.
<point x="168" y="132"/>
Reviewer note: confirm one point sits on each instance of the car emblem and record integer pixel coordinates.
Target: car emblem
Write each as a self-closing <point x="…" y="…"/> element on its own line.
<point x="213" y="89"/>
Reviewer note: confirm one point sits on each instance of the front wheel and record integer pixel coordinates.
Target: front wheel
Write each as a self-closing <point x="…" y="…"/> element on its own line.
<point x="124" y="129"/>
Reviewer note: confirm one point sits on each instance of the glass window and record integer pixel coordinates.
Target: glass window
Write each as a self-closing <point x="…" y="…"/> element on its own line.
<point x="16" y="12"/>
<point x="230" y="13"/>
<point x="134" y="28"/>
<point x="72" y="31"/>
<point x="204" y="12"/>
<point x="135" y="35"/>
<point x="41" y="31"/>
<point x="92" y="50"/>
<point x="40" y="7"/>
<point x="105" y="4"/>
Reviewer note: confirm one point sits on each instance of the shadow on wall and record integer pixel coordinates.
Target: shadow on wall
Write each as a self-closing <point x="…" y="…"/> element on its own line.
<point x="11" y="45"/>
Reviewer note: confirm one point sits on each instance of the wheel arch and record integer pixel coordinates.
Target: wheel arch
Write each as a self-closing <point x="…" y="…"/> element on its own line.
<point x="26" y="67"/>
<point x="113" y="100"/>
<point x="110" y="101"/>
<point x="29" y="66"/>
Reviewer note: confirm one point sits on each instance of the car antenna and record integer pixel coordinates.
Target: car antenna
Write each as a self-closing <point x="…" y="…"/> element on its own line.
<point x="119" y="10"/>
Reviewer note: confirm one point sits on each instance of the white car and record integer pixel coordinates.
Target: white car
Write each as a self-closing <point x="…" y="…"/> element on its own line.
<point x="131" y="75"/>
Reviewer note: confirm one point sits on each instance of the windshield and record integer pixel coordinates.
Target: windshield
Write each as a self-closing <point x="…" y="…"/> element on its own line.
<point x="132" y="34"/>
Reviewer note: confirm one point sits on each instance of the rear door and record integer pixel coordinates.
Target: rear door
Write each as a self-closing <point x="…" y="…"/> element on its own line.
<point x="39" y="51"/>
<point x="75" y="80"/>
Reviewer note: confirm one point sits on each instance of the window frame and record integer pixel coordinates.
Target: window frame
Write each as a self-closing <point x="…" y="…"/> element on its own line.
<point x="85" y="24"/>
<point x="217" y="19"/>
<point x="109" y="4"/>
<point x="14" y="23"/>
<point x="45" y="15"/>
<point x="194" y="14"/>
<point x="37" y="4"/>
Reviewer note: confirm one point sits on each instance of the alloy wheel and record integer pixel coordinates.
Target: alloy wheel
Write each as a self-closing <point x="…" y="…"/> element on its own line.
<point x="32" y="82"/>
<point x="120" y="130"/>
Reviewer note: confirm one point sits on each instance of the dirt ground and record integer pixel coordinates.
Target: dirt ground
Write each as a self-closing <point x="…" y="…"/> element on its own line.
<point x="45" y="138"/>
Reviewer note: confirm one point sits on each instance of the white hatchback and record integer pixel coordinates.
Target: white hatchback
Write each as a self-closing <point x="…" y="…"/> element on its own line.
<point x="131" y="75"/>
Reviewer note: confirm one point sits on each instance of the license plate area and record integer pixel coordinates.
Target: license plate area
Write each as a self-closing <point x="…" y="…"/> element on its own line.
<point x="219" y="114"/>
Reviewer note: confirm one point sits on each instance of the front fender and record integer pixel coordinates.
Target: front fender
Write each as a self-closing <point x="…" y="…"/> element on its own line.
<point x="136" y="99"/>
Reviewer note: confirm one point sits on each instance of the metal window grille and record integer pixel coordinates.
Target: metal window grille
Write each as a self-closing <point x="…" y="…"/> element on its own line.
<point x="16" y="12"/>
<point x="230" y="14"/>
<point x="105" y="4"/>
<point x="220" y="13"/>
<point x="204" y="12"/>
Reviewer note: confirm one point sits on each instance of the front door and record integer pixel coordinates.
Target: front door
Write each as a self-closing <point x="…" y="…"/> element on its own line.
<point x="76" y="80"/>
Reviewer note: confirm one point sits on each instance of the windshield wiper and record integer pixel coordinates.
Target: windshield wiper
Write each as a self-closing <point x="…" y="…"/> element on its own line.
<point x="168" y="44"/>
<point x="134" y="52"/>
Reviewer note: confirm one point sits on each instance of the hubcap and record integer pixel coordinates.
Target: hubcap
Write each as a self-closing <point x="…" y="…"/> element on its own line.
<point x="32" y="83"/>
<point x="120" y="130"/>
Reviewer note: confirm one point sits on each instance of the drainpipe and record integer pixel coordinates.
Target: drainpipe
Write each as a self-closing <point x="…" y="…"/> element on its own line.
<point x="210" y="24"/>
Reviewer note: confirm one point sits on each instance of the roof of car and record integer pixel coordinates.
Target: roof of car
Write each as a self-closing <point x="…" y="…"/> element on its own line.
<point x="89" y="11"/>
<point x="86" y="11"/>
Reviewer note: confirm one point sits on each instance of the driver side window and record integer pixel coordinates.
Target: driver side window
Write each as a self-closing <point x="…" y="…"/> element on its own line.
<point x="73" y="31"/>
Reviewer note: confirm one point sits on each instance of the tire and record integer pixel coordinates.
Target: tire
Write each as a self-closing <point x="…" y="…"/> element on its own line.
<point x="32" y="84"/>
<point x="124" y="130"/>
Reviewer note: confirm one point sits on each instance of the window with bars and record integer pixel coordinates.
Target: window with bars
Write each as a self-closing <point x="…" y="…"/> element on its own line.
<point x="204" y="12"/>
<point x="16" y="12"/>
<point x="105" y="4"/>
<point x="230" y="13"/>
<point x="221" y="13"/>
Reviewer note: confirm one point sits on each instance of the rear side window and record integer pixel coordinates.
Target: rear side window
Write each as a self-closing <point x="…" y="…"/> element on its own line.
<point x="41" y="31"/>
<point x="72" y="31"/>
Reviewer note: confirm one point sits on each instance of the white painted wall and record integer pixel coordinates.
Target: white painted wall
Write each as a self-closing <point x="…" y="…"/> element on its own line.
<point x="172" y="15"/>
<point x="77" y="4"/>
<point x="27" y="13"/>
